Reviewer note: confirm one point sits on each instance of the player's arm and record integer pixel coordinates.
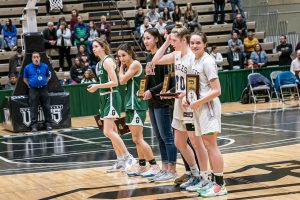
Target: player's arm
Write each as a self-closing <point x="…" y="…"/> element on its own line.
<point x="160" y="58"/>
<point x="133" y="69"/>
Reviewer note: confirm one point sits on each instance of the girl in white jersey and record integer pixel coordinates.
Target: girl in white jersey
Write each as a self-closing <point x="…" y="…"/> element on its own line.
<point x="207" y="113"/>
<point x="183" y="59"/>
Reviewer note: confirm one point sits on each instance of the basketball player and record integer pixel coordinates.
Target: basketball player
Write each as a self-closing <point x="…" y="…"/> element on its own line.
<point x="110" y="103"/>
<point x="183" y="59"/>
<point x="207" y="113"/>
<point x="130" y="73"/>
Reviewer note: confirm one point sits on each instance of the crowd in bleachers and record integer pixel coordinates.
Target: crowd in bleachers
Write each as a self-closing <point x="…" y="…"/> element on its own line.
<point x="243" y="50"/>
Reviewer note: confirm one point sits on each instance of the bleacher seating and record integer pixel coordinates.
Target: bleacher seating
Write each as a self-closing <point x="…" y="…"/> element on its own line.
<point x="122" y="27"/>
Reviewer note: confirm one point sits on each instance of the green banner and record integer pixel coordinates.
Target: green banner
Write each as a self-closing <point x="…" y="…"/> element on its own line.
<point x="83" y="103"/>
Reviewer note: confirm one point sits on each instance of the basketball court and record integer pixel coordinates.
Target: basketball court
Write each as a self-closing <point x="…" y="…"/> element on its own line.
<point x="261" y="154"/>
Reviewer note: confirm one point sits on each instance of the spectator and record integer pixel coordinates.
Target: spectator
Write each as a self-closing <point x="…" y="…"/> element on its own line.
<point x="240" y="26"/>
<point x="249" y="44"/>
<point x="48" y="8"/>
<point x="165" y="4"/>
<point x="64" y="44"/>
<point x="73" y="22"/>
<point x="234" y="4"/>
<point x="77" y="70"/>
<point x="219" y="4"/>
<point x="235" y="40"/>
<point x="139" y="19"/>
<point x="217" y="56"/>
<point x="10" y="35"/>
<point x="259" y="56"/>
<point x="153" y="15"/>
<point x="104" y="28"/>
<point x="284" y="50"/>
<point x="176" y="15"/>
<point x="60" y="20"/>
<point x="1" y="39"/>
<point x="295" y="66"/>
<point x="160" y="25"/>
<point x="191" y="18"/>
<point x="145" y="26"/>
<point x="166" y="15"/>
<point x="36" y="76"/>
<point x="93" y="31"/>
<point x="81" y="34"/>
<point x="83" y="56"/>
<point x="250" y="64"/>
<point x="297" y="47"/>
<point x="50" y="37"/>
<point x="67" y="79"/>
<point x="235" y="58"/>
<point x="88" y="77"/>
<point x="15" y="62"/>
<point x="12" y="82"/>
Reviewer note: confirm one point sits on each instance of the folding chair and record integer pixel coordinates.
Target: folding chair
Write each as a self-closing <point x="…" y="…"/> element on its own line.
<point x="285" y="82"/>
<point x="258" y="83"/>
<point x="273" y="76"/>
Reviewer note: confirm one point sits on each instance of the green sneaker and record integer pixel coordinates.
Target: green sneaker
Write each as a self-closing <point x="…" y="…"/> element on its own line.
<point x="206" y="187"/>
<point x="215" y="190"/>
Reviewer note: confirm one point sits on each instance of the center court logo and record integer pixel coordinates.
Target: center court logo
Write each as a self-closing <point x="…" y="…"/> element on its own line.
<point x="55" y="112"/>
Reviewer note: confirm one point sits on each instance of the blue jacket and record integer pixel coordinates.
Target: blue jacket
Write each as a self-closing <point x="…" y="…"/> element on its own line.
<point x="285" y="78"/>
<point x="255" y="57"/>
<point x="36" y="75"/>
<point x="8" y="33"/>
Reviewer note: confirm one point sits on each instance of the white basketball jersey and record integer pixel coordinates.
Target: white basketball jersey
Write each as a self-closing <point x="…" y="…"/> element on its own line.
<point x="182" y="67"/>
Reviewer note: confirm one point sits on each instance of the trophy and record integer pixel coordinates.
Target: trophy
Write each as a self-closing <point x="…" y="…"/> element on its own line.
<point x="192" y="88"/>
<point x="143" y="87"/>
<point x="120" y="123"/>
<point x="166" y="87"/>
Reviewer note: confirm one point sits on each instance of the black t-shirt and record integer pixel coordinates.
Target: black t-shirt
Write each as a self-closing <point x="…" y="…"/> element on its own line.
<point x="285" y="57"/>
<point x="155" y="84"/>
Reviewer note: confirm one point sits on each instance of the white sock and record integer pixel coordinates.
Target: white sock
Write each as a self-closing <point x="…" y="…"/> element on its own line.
<point x="204" y="175"/>
<point x="218" y="174"/>
<point x="195" y="170"/>
<point x="188" y="173"/>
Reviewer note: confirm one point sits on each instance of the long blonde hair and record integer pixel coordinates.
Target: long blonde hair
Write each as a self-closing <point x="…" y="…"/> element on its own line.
<point x="181" y="32"/>
<point x="103" y="43"/>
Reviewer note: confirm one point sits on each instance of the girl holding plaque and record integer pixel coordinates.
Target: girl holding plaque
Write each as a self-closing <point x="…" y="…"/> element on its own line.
<point x="159" y="110"/>
<point x="207" y="112"/>
<point x="130" y="73"/>
<point x="110" y="103"/>
<point x="182" y="122"/>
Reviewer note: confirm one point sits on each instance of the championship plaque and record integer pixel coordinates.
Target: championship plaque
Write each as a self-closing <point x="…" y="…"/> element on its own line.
<point x="143" y="87"/>
<point x="192" y="88"/>
<point x="166" y="87"/>
<point x="120" y="123"/>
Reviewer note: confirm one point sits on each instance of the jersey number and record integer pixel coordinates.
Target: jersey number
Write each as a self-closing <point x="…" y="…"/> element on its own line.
<point x="137" y="120"/>
<point x="180" y="84"/>
<point x="113" y="112"/>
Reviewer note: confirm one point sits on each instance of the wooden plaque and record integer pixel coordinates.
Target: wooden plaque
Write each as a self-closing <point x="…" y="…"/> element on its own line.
<point x="166" y="84"/>
<point x="192" y="88"/>
<point x="143" y="87"/>
<point x="120" y="123"/>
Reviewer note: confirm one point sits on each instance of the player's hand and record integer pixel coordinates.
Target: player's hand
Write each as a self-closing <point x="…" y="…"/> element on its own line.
<point x="147" y="95"/>
<point x="184" y="103"/>
<point x="92" y="88"/>
<point x="180" y="96"/>
<point x="194" y="105"/>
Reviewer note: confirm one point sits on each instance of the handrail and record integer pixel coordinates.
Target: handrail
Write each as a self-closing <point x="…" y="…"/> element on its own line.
<point x="131" y="32"/>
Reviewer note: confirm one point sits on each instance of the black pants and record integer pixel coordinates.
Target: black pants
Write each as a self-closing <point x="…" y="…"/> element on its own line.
<point x="65" y="51"/>
<point x="39" y="96"/>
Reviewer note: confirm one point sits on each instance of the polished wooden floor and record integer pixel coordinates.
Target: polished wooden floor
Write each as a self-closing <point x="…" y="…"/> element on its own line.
<point x="255" y="168"/>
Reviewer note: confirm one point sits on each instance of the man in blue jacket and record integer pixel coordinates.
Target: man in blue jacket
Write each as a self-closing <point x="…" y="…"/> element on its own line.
<point x="36" y="76"/>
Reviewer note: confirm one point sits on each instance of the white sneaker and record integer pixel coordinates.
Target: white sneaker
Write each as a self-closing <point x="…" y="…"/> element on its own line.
<point x="129" y="162"/>
<point x="138" y="171"/>
<point x="198" y="186"/>
<point x="116" y="167"/>
<point x="215" y="23"/>
<point x="153" y="170"/>
<point x="159" y="174"/>
<point x="167" y="177"/>
<point x="188" y="183"/>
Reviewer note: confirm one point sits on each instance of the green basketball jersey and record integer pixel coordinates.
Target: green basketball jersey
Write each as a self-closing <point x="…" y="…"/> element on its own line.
<point x="103" y="76"/>
<point x="131" y="99"/>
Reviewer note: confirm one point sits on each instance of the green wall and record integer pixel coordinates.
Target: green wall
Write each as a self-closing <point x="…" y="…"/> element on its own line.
<point x="83" y="103"/>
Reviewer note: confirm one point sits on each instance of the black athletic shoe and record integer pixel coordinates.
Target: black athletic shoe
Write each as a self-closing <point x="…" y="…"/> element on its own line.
<point x="48" y="127"/>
